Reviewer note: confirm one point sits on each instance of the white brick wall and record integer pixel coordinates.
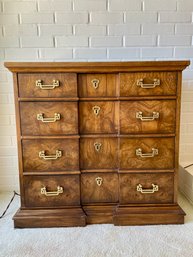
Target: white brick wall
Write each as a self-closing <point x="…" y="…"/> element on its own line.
<point x="85" y="30"/>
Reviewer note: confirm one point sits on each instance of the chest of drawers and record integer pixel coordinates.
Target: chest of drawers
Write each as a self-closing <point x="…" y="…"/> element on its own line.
<point x="98" y="142"/>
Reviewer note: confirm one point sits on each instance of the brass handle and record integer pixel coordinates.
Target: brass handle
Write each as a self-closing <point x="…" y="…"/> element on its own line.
<point x="96" y="110"/>
<point x="55" y="84"/>
<point x="40" y="116"/>
<point x="99" y="181"/>
<point x="146" y="155"/>
<point x="154" y="188"/>
<point x="97" y="146"/>
<point x="139" y="115"/>
<point x="95" y="83"/>
<point x="43" y="155"/>
<point x="52" y="193"/>
<point x="156" y="82"/>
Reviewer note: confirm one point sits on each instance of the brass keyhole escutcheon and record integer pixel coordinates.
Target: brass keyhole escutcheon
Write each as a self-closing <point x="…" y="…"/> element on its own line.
<point x="96" y="110"/>
<point x="95" y="83"/>
<point x="97" y="146"/>
<point x="99" y="181"/>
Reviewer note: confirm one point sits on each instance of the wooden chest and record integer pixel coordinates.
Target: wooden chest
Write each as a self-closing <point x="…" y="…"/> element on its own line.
<point x="98" y="142"/>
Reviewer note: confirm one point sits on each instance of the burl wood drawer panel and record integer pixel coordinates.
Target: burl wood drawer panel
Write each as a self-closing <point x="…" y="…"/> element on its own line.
<point x="147" y="153"/>
<point x="98" y="117"/>
<point x="49" y="118"/>
<point x="47" y="85"/>
<point x="98" y="153"/>
<point x="148" y="83"/>
<point x="50" y="155"/>
<point x="146" y="188"/>
<point x="97" y="85"/>
<point x="147" y="116"/>
<point x="49" y="191"/>
<point x="99" y="188"/>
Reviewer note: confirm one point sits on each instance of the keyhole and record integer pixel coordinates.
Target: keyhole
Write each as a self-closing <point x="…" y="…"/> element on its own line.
<point x="96" y="110"/>
<point x="99" y="181"/>
<point x="97" y="146"/>
<point x="95" y="83"/>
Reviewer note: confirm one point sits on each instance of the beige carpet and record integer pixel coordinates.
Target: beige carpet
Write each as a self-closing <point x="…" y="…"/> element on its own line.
<point x="96" y="240"/>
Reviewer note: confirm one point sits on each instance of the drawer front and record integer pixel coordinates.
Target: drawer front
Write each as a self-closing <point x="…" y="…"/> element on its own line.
<point x="98" y="153"/>
<point x="146" y="188"/>
<point x="97" y="85"/>
<point x="99" y="188"/>
<point x="51" y="191"/>
<point x="98" y="117"/>
<point x="147" y="116"/>
<point x="147" y="153"/>
<point x="148" y="83"/>
<point x="49" y="118"/>
<point x="50" y="155"/>
<point x="43" y="85"/>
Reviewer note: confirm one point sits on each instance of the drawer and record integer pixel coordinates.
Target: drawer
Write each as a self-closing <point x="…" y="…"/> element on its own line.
<point x="148" y="83"/>
<point x="97" y="85"/>
<point x="98" y="153"/>
<point x="51" y="191"/>
<point x="50" y="155"/>
<point x="147" y="116"/>
<point x="49" y="118"/>
<point x="99" y="188"/>
<point x="148" y="188"/>
<point x="98" y="117"/>
<point x="147" y="153"/>
<point x="47" y="85"/>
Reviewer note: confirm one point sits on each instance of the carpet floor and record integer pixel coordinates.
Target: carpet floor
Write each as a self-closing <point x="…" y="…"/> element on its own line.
<point x="96" y="240"/>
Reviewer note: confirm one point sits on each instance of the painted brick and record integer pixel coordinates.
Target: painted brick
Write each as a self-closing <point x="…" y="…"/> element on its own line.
<point x="141" y="17"/>
<point x="14" y="140"/>
<point x="7" y="108"/>
<point x="184" y="52"/>
<point x="4" y="120"/>
<point x="101" y="18"/>
<point x="39" y="18"/>
<point x="9" y="42"/>
<point x="106" y="41"/>
<point x="175" y="40"/>
<point x="184" y="29"/>
<point x="37" y="42"/>
<point x="9" y="19"/>
<point x="3" y="76"/>
<point x="187" y="96"/>
<point x="90" y="5"/>
<point x="159" y="29"/>
<point x="20" y="30"/>
<point x="8" y="151"/>
<point x="86" y="53"/>
<point x="5" y="141"/>
<point x="50" y="53"/>
<point x="187" y="107"/>
<point x="160" y="5"/>
<point x="8" y="130"/>
<point x="11" y="98"/>
<point x="71" y="18"/>
<point x="19" y="7"/>
<point x="175" y="17"/>
<point x="124" y="29"/>
<point x="5" y="87"/>
<point x="21" y="54"/>
<point x="55" y="30"/>
<point x="185" y="5"/>
<point x="90" y="30"/>
<point x="2" y="55"/>
<point x="124" y="53"/>
<point x="124" y="5"/>
<point x="157" y="52"/>
<point x="71" y="41"/>
<point x="4" y="99"/>
<point x="51" y="6"/>
<point x="140" y="41"/>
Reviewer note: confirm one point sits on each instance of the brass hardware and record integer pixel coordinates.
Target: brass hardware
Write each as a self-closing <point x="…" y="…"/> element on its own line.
<point x="156" y="82"/>
<point x="146" y="155"/>
<point x="139" y="115"/>
<point x="99" y="181"/>
<point x="52" y="193"/>
<point x="55" y="84"/>
<point x="40" y="116"/>
<point x="96" y="110"/>
<point x="97" y="146"/>
<point x="155" y="188"/>
<point x="43" y="155"/>
<point x="95" y="83"/>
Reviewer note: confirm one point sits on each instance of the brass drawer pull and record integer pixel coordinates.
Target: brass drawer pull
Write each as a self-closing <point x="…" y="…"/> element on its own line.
<point x="55" y="84"/>
<point x="52" y="193"/>
<point x="155" y="188"/>
<point x="95" y="83"/>
<point x="40" y="116"/>
<point x="96" y="110"/>
<point x="97" y="146"/>
<point x="43" y="155"/>
<point x="139" y="115"/>
<point x="99" y="181"/>
<point x="156" y="82"/>
<point x="146" y="155"/>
